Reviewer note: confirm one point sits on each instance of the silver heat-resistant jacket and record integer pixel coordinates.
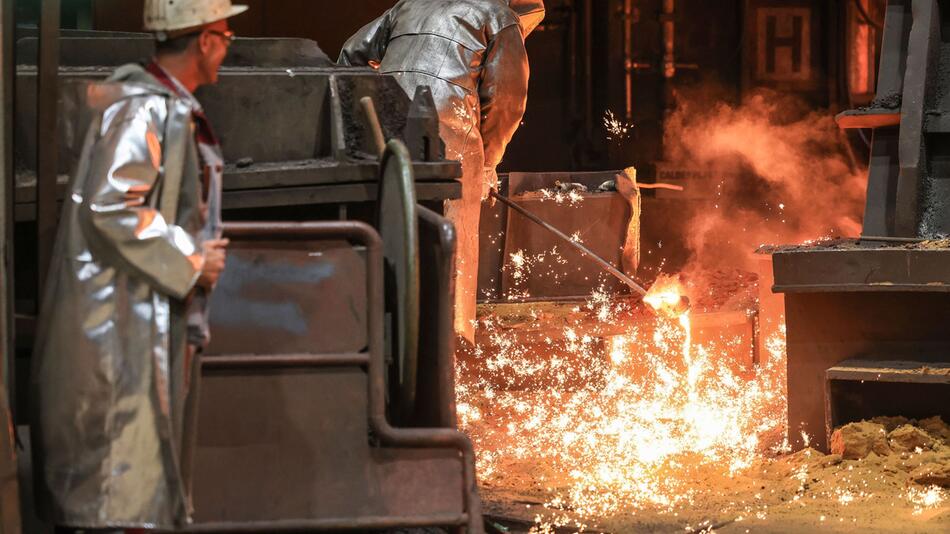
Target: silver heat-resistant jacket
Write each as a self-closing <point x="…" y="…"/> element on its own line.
<point x="470" y="53"/>
<point x="110" y="384"/>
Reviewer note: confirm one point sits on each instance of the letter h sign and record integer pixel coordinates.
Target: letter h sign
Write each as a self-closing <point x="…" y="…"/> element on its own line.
<point x="783" y="44"/>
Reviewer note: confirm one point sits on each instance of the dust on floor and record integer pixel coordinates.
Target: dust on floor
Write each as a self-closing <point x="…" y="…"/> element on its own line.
<point x="887" y="475"/>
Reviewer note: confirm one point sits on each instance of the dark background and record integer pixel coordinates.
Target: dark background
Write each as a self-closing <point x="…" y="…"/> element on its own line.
<point x="577" y="60"/>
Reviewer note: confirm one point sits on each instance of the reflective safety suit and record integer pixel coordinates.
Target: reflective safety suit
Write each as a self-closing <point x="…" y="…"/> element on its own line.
<point x="472" y="56"/>
<point x="111" y="369"/>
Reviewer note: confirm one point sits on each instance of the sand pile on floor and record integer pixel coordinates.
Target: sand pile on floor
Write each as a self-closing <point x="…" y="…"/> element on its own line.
<point x="857" y="440"/>
<point x="919" y="448"/>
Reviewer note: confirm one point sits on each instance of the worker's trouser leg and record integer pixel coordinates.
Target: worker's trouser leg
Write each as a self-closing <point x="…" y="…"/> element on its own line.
<point x="464" y="214"/>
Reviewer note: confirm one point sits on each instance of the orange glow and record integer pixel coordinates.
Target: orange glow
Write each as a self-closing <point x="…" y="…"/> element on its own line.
<point x="654" y="411"/>
<point x="666" y="297"/>
<point x="624" y="423"/>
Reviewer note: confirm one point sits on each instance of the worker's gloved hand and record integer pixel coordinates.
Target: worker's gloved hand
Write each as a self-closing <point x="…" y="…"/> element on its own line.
<point x="489" y="182"/>
<point x="215" y="255"/>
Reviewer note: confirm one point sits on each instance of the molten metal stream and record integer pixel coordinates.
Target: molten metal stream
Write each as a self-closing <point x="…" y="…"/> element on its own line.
<point x="666" y="298"/>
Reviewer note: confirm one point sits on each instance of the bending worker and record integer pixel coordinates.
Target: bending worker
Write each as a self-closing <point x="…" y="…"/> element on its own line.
<point x="471" y="54"/>
<point x="125" y="311"/>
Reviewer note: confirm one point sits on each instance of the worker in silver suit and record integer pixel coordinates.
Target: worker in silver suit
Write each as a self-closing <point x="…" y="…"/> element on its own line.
<point x="124" y="315"/>
<point x="471" y="54"/>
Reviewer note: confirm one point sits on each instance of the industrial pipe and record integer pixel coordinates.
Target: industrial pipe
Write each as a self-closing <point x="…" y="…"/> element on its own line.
<point x="628" y="57"/>
<point x="669" y="38"/>
<point x="588" y="68"/>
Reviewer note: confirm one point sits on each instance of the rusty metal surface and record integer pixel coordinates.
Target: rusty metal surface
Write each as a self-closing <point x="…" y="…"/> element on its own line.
<point x="301" y="441"/>
<point x="309" y="113"/>
<point x="883" y="170"/>
<point x="314" y="182"/>
<point x="313" y="153"/>
<point x="325" y="171"/>
<point x="329" y="194"/>
<point x="403" y="437"/>
<point x="435" y="406"/>
<point x="573" y="242"/>
<point x="273" y="297"/>
<point x="47" y="209"/>
<point x="599" y="221"/>
<point x="664" y="234"/>
<point x="390" y="100"/>
<point x="825" y="329"/>
<point x="292" y="109"/>
<point x="897" y="371"/>
<point x="857" y="390"/>
<point x="869" y="269"/>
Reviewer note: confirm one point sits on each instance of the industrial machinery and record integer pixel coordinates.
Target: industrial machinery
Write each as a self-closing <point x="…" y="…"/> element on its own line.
<point x="327" y="399"/>
<point x="867" y="319"/>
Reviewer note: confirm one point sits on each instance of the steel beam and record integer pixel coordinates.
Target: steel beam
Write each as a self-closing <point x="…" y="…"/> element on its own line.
<point x="919" y="81"/>
<point x="9" y="485"/>
<point x="7" y="193"/>
<point x="47" y="164"/>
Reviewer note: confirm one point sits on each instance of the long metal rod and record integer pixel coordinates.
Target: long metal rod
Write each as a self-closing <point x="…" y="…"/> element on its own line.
<point x="7" y="346"/>
<point x="589" y="68"/>
<point x="669" y="53"/>
<point x="47" y="165"/>
<point x="9" y="487"/>
<point x="628" y="58"/>
<point x="606" y="265"/>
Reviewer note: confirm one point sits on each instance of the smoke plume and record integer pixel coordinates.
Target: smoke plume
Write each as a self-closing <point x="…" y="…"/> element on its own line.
<point x="783" y="176"/>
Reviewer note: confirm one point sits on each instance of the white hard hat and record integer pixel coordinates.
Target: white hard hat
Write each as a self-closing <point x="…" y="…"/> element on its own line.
<point x="171" y="15"/>
<point x="531" y="13"/>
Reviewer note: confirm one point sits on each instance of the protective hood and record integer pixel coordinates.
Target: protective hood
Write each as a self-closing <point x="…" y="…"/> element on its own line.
<point x="531" y="13"/>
